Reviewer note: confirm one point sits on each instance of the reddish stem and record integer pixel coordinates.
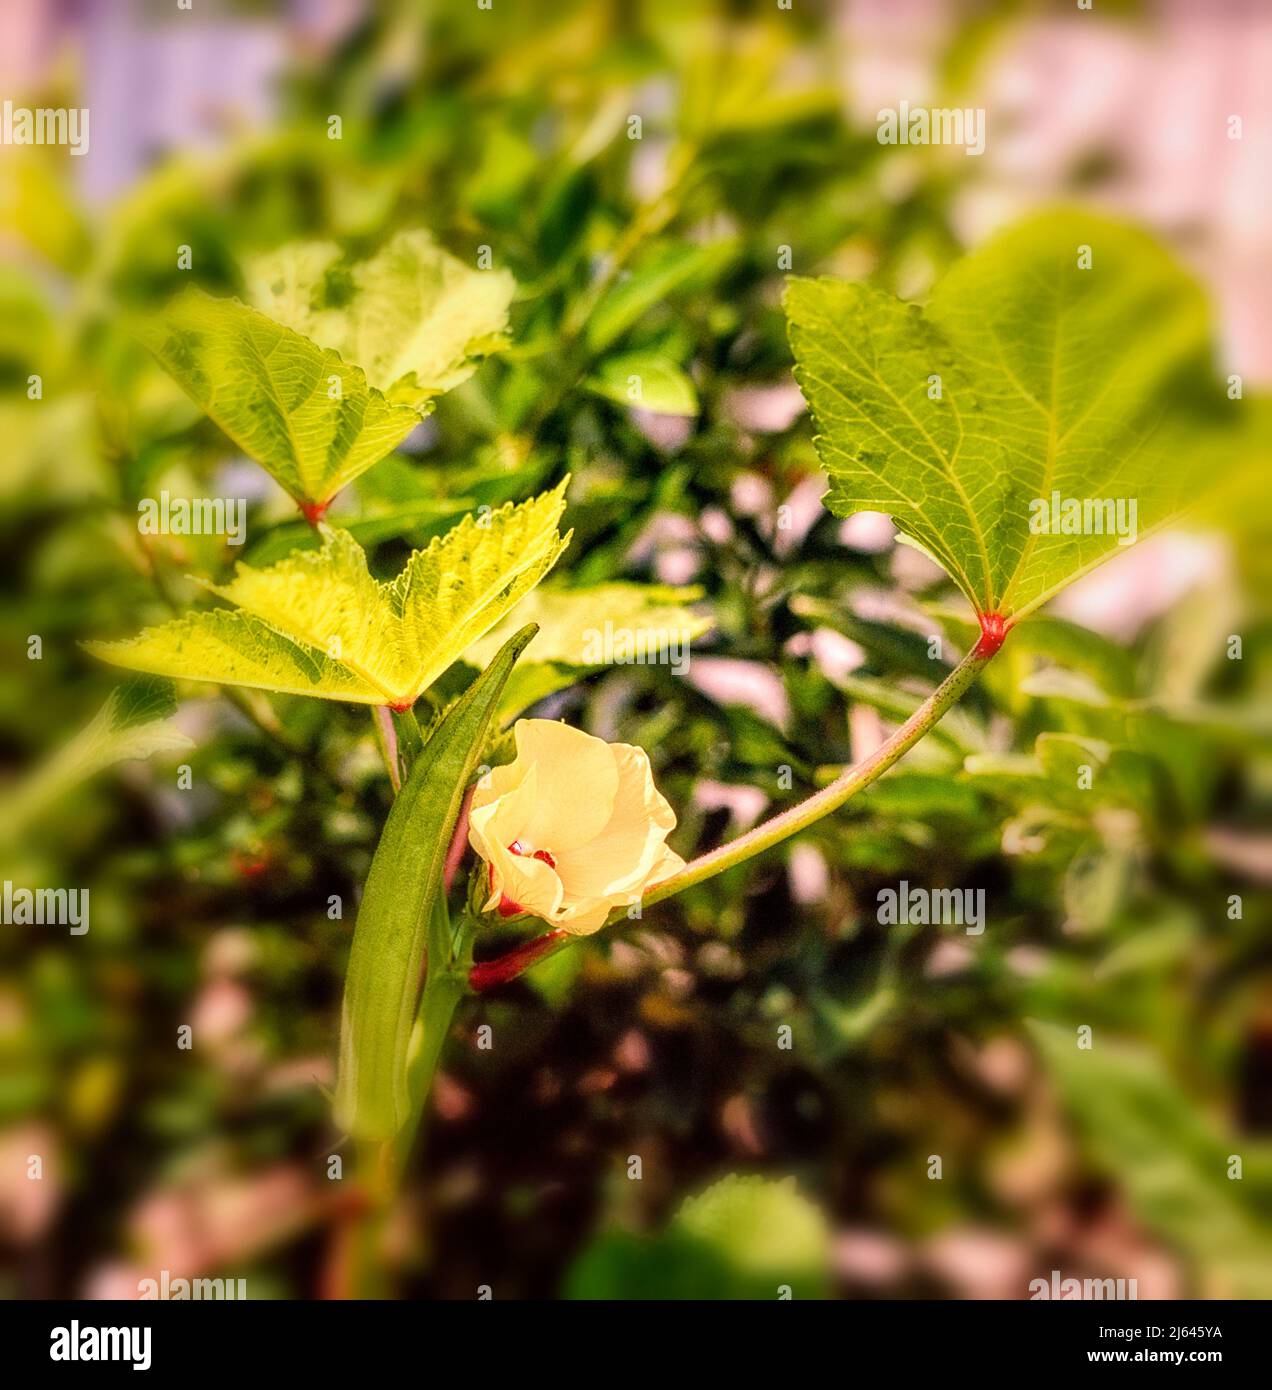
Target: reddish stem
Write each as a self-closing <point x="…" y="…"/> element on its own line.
<point x="384" y="722"/>
<point x="459" y="842"/>
<point x="490" y="973"/>
<point x="993" y="632"/>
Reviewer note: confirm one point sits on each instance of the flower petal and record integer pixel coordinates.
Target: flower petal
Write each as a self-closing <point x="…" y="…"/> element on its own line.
<point x="582" y="919"/>
<point x="669" y="864"/>
<point x="531" y="884"/>
<point x="617" y="862"/>
<point x="494" y="824"/>
<point x="577" y="783"/>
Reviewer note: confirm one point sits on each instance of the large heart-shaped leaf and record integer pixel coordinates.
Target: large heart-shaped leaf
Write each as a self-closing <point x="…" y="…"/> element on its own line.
<point x="319" y="623"/>
<point x="413" y="317"/>
<point x="1059" y="373"/>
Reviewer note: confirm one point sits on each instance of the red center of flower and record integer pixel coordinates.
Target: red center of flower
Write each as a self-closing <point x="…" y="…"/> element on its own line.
<point x="507" y="908"/>
<point x="518" y="848"/>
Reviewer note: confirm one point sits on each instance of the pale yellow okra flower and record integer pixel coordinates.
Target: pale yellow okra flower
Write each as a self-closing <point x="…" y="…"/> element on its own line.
<point x="572" y="828"/>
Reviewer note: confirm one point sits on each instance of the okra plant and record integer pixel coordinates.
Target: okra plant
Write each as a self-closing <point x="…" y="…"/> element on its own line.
<point x="1052" y="376"/>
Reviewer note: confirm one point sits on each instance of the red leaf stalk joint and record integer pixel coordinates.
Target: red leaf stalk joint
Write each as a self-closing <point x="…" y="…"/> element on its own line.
<point x="993" y="632"/>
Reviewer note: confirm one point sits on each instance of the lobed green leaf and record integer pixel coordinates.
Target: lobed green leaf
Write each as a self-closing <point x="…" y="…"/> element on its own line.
<point x="415" y="319"/>
<point x="319" y="623"/>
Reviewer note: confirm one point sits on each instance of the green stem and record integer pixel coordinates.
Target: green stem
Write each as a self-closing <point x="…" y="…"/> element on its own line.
<point x="830" y="798"/>
<point x="410" y="742"/>
<point x="780" y="827"/>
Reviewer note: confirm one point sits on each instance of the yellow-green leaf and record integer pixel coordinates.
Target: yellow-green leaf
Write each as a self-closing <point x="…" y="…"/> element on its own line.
<point x="645" y="381"/>
<point x="305" y="415"/>
<point x="236" y="649"/>
<point x="319" y="623"/>
<point x="413" y="317"/>
<point x="580" y="629"/>
<point x="577" y="627"/>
